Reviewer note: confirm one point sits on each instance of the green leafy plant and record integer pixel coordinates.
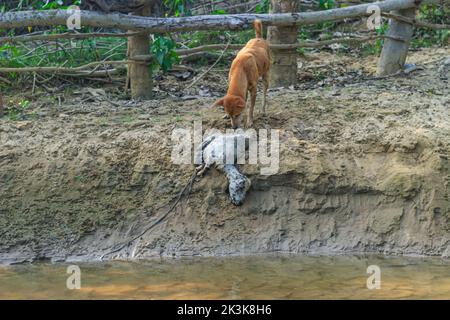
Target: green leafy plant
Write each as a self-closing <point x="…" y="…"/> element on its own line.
<point x="377" y="46"/>
<point x="262" y="7"/>
<point x="435" y="14"/>
<point x="56" y="4"/>
<point x="163" y="49"/>
<point x="17" y="112"/>
<point x="52" y="5"/>
<point x="177" y="8"/>
<point x="219" y="11"/>
<point x="379" y="42"/>
<point x="327" y="4"/>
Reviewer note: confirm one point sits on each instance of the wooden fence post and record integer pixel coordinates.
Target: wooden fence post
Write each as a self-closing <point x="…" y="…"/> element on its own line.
<point x="139" y="77"/>
<point x="283" y="72"/>
<point x="395" y="49"/>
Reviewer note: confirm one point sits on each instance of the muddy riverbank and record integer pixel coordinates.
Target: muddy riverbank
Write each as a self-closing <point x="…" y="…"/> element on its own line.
<point x="363" y="168"/>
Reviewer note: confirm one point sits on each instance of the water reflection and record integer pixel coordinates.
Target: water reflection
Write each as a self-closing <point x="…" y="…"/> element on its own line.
<point x="254" y="277"/>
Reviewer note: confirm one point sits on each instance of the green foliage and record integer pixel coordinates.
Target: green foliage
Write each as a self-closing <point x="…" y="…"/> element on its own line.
<point x="39" y="4"/>
<point x="263" y="6"/>
<point x="64" y="52"/>
<point x="51" y="5"/>
<point x="18" y="111"/>
<point x="14" y="56"/>
<point x="434" y="13"/>
<point x="375" y="49"/>
<point x="219" y="11"/>
<point x="164" y="50"/>
<point x="327" y="4"/>
<point x="177" y="8"/>
<point x="379" y="42"/>
<point x="426" y="37"/>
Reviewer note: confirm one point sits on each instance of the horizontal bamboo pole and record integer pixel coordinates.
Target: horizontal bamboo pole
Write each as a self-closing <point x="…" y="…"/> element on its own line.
<point x="81" y="36"/>
<point x="11" y="20"/>
<point x="183" y="52"/>
<point x="81" y="69"/>
<point x="303" y="44"/>
<point x="415" y="22"/>
<point x="66" y="35"/>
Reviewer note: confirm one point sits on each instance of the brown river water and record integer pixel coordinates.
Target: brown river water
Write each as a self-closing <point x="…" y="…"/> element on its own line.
<point x="251" y="277"/>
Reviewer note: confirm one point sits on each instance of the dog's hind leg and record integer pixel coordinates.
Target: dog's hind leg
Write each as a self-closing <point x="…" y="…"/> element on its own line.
<point x="266" y="87"/>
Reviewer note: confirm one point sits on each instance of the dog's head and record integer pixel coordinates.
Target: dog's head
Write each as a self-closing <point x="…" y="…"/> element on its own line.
<point x="233" y="105"/>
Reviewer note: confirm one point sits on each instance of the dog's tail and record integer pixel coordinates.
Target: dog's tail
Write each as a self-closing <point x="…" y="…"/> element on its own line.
<point x="258" y="28"/>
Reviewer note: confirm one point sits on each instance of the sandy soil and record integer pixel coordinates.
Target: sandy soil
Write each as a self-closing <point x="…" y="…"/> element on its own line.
<point x="363" y="168"/>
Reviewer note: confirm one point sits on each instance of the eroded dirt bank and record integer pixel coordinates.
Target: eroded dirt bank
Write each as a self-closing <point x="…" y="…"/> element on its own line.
<point x="364" y="167"/>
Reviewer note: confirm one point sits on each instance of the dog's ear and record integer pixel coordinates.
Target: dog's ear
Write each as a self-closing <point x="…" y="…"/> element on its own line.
<point x="218" y="103"/>
<point x="241" y="102"/>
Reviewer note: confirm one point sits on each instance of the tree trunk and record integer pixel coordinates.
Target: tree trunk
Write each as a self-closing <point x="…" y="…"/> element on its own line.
<point x="283" y="72"/>
<point x="393" y="55"/>
<point x="139" y="75"/>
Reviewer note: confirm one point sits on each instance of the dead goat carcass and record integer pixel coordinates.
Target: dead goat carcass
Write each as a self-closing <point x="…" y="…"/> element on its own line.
<point x="223" y="152"/>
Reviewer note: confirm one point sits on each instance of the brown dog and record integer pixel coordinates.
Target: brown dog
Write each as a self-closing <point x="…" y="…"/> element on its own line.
<point x="251" y="63"/>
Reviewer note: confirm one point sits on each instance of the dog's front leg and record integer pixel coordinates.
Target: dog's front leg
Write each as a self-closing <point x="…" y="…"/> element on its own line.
<point x="252" y="107"/>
